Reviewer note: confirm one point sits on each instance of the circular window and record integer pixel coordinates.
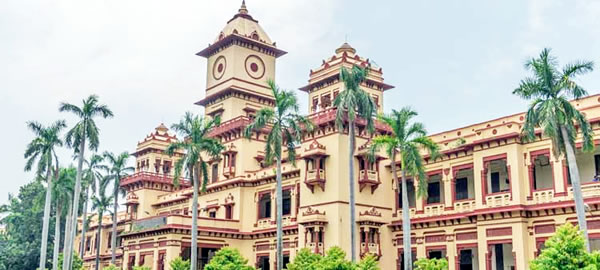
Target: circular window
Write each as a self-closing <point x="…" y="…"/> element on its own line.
<point x="255" y="67"/>
<point x="219" y="67"/>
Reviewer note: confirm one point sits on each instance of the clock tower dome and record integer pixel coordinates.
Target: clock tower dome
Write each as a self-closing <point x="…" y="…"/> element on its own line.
<point x="240" y="62"/>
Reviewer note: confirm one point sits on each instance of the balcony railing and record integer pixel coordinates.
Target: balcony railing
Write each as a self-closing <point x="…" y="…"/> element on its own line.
<point x="411" y="212"/>
<point x="316" y="247"/>
<point x="263" y="223"/>
<point x="464" y="205"/>
<point x="370" y="175"/>
<point x="434" y="209"/>
<point x="311" y="175"/>
<point x="315" y="178"/>
<point x="590" y="189"/>
<point x="372" y="248"/>
<point x="229" y="171"/>
<point x="153" y="177"/>
<point x="543" y="196"/>
<point x="497" y="200"/>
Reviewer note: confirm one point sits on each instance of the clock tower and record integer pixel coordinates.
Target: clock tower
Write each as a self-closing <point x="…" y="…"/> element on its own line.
<point x="240" y="62"/>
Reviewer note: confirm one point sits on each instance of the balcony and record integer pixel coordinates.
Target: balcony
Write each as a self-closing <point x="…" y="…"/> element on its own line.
<point x="543" y="196"/>
<point x="316" y="247"/>
<point x="315" y="178"/>
<point x="498" y="200"/>
<point x="433" y="209"/>
<point x="464" y="206"/>
<point x="589" y="189"/>
<point x="229" y="171"/>
<point x="369" y="248"/>
<point x="368" y="178"/>
<point x="263" y="223"/>
<point x="154" y="178"/>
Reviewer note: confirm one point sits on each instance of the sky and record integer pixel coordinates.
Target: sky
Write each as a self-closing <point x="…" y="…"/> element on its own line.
<point x="455" y="62"/>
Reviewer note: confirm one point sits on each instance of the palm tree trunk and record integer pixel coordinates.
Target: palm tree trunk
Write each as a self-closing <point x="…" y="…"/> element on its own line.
<point x="575" y="181"/>
<point x="351" y="144"/>
<point x="279" y="216"/>
<point x="194" y="259"/>
<point x="56" y="237"/>
<point x="46" y="220"/>
<point x="98" y="238"/>
<point x="113" y="247"/>
<point x="83" y="223"/>
<point x="406" y="237"/>
<point x="76" y="194"/>
<point x="67" y="230"/>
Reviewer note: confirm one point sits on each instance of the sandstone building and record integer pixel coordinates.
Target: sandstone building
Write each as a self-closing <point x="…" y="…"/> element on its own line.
<point x="492" y="199"/>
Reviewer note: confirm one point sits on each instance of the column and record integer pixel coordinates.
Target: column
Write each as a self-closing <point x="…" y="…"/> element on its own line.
<point x="447" y="180"/>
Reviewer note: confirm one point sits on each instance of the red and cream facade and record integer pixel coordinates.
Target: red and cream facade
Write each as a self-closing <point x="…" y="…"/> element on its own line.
<point x="492" y="199"/>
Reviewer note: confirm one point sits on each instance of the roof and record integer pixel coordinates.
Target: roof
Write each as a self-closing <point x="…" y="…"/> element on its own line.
<point x="243" y="24"/>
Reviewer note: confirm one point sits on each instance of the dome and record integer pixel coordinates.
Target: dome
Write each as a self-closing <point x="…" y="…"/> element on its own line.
<point x="345" y="48"/>
<point x="244" y="25"/>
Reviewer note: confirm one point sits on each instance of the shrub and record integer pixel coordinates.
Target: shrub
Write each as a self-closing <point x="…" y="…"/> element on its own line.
<point x="431" y="264"/>
<point x="141" y="268"/>
<point x="565" y="250"/>
<point x="369" y="262"/>
<point x="228" y="259"/>
<point x="111" y="267"/>
<point x="335" y="259"/>
<point x="305" y="260"/>
<point x="179" y="264"/>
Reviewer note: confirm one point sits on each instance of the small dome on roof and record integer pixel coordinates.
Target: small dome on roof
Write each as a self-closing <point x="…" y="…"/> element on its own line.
<point x="345" y="48"/>
<point x="244" y="25"/>
<point x="162" y="128"/>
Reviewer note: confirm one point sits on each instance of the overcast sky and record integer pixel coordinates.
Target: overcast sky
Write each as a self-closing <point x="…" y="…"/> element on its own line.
<point x="455" y="62"/>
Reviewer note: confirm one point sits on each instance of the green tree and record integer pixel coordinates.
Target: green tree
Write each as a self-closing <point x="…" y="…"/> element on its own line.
<point x="565" y="250"/>
<point x="550" y="89"/>
<point x="21" y="239"/>
<point x="94" y="164"/>
<point x="305" y="260"/>
<point x="228" y="259"/>
<point x="369" y="262"/>
<point x="63" y="188"/>
<point x="335" y="259"/>
<point x="407" y="140"/>
<point x="194" y="129"/>
<point x="77" y="262"/>
<point x="101" y="202"/>
<point x="43" y="150"/>
<point x="286" y="126"/>
<point x="351" y="103"/>
<point x="84" y="130"/>
<point x="431" y="264"/>
<point x="117" y="165"/>
<point x="179" y="264"/>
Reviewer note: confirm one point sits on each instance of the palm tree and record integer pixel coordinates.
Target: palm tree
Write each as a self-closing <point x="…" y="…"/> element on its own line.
<point x="550" y="90"/>
<point x="43" y="150"/>
<point x="286" y="126"/>
<point x="118" y="168"/>
<point x="63" y="188"/>
<point x="196" y="143"/>
<point x="84" y="130"/>
<point x="101" y="203"/>
<point x="91" y="174"/>
<point x="406" y="139"/>
<point x="351" y="103"/>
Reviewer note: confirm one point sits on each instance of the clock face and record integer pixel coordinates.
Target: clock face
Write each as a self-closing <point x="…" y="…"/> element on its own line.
<point x="255" y="67"/>
<point x="219" y="67"/>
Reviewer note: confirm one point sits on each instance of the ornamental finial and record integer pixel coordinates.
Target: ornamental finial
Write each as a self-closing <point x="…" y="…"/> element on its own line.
<point x="243" y="9"/>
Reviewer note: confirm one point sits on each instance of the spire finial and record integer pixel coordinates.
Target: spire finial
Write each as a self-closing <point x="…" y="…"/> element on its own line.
<point x="243" y="9"/>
